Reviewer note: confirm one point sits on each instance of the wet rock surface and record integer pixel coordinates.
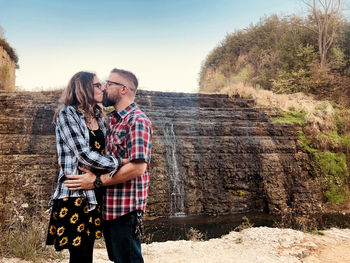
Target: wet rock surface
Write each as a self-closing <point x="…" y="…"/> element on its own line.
<point x="211" y="155"/>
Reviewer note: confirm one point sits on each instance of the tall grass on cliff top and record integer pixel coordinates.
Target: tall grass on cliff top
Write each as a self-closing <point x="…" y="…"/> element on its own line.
<point x="324" y="133"/>
<point x="319" y="115"/>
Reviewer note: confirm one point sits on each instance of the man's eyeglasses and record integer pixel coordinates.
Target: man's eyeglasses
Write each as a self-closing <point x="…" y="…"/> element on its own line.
<point x="97" y="85"/>
<point x="109" y="83"/>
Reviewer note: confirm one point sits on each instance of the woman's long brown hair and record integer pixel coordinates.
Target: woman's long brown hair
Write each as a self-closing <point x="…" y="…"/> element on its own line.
<point x="80" y="94"/>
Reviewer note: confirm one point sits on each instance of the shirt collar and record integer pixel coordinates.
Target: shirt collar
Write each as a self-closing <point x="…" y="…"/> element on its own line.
<point x="125" y="112"/>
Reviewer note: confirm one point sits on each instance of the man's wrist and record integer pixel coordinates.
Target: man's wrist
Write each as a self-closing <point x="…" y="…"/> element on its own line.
<point x="97" y="182"/>
<point x="104" y="179"/>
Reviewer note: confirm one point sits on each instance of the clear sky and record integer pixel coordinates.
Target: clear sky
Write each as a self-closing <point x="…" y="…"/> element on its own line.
<point x="163" y="42"/>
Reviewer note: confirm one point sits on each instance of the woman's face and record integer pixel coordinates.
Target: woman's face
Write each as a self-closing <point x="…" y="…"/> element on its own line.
<point x="98" y="90"/>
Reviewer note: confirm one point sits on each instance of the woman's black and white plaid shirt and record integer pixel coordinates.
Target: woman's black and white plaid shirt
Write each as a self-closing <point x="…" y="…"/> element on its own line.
<point x="72" y="141"/>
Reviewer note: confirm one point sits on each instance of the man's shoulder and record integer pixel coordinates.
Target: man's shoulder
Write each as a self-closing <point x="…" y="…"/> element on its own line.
<point x="137" y="115"/>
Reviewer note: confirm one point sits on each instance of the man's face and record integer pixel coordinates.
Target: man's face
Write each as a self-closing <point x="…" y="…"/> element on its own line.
<point x="113" y="86"/>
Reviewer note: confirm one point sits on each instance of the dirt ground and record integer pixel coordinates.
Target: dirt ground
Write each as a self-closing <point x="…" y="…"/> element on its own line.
<point x="253" y="245"/>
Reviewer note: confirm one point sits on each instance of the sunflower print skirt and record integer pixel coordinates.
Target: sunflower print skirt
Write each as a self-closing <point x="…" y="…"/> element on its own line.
<point x="72" y="225"/>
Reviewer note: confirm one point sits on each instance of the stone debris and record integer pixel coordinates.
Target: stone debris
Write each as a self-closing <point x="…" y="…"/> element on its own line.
<point x="253" y="245"/>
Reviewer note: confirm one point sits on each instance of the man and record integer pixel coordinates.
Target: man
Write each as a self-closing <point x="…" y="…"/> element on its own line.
<point x="129" y="135"/>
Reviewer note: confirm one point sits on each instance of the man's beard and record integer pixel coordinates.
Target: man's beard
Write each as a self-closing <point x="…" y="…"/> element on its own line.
<point x="107" y="101"/>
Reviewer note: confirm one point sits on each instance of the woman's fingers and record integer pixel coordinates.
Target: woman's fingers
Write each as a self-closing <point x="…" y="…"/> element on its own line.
<point x="83" y="169"/>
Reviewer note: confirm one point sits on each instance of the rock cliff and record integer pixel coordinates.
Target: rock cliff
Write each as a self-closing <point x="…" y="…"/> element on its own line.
<point x="211" y="155"/>
<point x="7" y="71"/>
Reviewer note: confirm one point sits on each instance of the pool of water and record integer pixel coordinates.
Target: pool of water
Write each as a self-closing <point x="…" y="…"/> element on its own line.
<point x="336" y="220"/>
<point x="178" y="228"/>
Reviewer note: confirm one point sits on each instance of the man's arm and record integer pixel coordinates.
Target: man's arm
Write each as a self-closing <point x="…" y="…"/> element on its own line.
<point x="125" y="173"/>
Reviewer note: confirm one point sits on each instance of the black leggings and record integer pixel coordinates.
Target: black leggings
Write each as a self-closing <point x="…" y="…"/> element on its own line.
<point x="82" y="253"/>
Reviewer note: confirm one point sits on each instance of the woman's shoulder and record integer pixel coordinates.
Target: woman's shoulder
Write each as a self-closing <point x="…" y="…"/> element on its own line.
<point x="68" y="113"/>
<point x="68" y="109"/>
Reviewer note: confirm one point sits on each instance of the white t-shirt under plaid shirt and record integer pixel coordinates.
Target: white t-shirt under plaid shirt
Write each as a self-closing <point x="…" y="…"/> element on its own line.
<point x="72" y="142"/>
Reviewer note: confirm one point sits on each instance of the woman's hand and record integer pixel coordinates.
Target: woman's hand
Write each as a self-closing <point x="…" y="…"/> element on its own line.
<point x="80" y="181"/>
<point x="125" y="161"/>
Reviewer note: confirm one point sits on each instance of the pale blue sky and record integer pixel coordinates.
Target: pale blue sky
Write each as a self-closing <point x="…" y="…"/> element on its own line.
<point x="162" y="42"/>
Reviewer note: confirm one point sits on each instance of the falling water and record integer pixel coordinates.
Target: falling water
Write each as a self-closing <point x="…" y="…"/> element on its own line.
<point x="176" y="185"/>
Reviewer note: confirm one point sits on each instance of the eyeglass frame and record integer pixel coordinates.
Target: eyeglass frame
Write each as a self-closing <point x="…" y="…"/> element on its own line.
<point x="109" y="83"/>
<point x="97" y="85"/>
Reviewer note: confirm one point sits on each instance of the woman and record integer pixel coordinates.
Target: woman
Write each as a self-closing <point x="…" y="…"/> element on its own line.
<point x="75" y="220"/>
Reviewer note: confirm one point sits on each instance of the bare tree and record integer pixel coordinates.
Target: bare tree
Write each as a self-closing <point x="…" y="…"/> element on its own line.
<point x="327" y="15"/>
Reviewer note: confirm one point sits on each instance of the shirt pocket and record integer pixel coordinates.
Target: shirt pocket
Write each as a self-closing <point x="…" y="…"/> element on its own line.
<point x="120" y="137"/>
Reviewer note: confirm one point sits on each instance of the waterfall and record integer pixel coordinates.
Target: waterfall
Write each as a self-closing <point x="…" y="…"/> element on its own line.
<point x="176" y="182"/>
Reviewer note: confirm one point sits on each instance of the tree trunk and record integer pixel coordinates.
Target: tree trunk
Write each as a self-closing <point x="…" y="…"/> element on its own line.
<point x="326" y="14"/>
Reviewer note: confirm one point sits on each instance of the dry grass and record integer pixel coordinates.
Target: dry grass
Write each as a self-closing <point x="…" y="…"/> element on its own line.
<point x="244" y="225"/>
<point x="194" y="235"/>
<point x="319" y="114"/>
<point x="27" y="243"/>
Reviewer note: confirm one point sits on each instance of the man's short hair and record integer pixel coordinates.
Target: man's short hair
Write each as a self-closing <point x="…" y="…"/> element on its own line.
<point x="128" y="75"/>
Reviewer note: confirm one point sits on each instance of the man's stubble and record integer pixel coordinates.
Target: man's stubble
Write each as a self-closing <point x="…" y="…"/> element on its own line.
<point x="108" y="101"/>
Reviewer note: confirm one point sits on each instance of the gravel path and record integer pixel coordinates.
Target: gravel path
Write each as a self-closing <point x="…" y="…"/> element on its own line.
<point x="253" y="245"/>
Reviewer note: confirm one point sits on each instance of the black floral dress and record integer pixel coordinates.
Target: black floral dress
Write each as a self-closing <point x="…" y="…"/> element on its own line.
<point x="71" y="224"/>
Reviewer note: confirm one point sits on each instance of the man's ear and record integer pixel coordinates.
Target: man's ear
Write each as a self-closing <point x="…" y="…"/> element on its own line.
<point x="124" y="90"/>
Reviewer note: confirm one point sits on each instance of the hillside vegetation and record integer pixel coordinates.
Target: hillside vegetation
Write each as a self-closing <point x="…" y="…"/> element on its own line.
<point x="277" y="63"/>
<point x="280" y="54"/>
<point x="10" y="51"/>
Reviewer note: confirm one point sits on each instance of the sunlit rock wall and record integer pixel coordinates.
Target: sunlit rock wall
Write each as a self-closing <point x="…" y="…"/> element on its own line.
<point x="211" y="155"/>
<point x="7" y="71"/>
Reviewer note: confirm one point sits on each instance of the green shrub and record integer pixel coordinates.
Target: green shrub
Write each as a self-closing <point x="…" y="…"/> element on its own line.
<point x="291" y="117"/>
<point x="325" y="149"/>
<point x="333" y="167"/>
<point x="333" y="170"/>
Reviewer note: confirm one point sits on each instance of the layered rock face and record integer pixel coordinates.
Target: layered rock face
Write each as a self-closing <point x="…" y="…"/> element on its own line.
<point x="7" y="71"/>
<point x="211" y="155"/>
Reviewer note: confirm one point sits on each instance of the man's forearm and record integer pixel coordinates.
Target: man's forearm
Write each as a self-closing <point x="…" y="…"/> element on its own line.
<point x="125" y="173"/>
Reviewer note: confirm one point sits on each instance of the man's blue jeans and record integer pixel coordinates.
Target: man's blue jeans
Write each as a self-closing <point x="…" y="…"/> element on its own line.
<point x="123" y="245"/>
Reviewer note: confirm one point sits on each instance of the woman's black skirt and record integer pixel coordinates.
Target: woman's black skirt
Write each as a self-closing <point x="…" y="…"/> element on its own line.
<point x="72" y="225"/>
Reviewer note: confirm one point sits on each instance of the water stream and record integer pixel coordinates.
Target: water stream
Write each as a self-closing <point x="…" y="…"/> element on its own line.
<point x="176" y="180"/>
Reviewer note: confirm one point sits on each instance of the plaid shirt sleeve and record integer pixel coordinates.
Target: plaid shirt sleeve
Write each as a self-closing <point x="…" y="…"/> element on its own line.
<point x="69" y="125"/>
<point x="139" y="140"/>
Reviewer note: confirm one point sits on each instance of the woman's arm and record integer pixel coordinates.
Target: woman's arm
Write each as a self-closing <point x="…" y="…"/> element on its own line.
<point x="71" y="132"/>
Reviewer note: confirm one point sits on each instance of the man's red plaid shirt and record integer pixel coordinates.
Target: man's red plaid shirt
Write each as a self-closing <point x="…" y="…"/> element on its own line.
<point x="129" y="135"/>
